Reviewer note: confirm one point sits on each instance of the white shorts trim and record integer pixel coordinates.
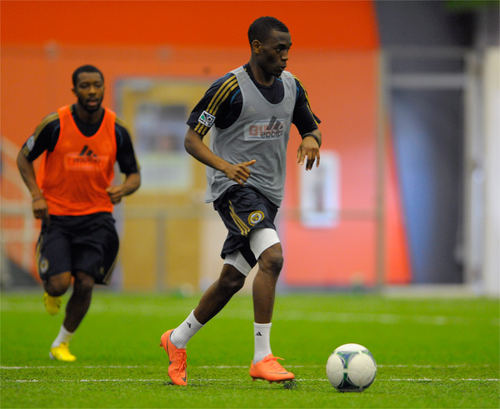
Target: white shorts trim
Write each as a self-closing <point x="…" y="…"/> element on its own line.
<point x="237" y="260"/>
<point x="262" y="239"/>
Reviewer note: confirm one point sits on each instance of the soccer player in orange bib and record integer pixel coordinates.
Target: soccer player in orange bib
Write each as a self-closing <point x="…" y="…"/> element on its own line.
<point x="73" y="195"/>
<point x="250" y="111"/>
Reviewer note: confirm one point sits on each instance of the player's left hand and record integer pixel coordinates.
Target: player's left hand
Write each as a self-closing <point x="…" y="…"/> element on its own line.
<point x="308" y="151"/>
<point x="115" y="193"/>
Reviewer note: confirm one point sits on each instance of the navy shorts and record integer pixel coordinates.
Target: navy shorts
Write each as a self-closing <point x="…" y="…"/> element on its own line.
<point x="243" y="209"/>
<point x="86" y="243"/>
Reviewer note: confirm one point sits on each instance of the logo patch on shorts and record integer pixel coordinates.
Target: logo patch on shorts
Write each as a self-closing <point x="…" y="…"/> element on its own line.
<point x="44" y="265"/>
<point x="206" y="119"/>
<point x="255" y="217"/>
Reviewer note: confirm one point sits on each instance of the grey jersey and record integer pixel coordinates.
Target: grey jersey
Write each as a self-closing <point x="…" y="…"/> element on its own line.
<point x="261" y="132"/>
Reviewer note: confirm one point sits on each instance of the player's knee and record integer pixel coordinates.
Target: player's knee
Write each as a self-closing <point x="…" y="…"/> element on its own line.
<point x="83" y="283"/>
<point x="57" y="285"/>
<point x="56" y="290"/>
<point x="232" y="284"/>
<point x="271" y="261"/>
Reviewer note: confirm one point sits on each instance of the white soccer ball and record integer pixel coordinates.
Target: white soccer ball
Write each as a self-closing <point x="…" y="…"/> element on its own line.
<point x="351" y="368"/>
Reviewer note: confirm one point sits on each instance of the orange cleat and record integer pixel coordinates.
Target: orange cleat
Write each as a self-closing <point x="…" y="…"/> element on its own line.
<point x="270" y="370"/>
<point x="177" y="360"/>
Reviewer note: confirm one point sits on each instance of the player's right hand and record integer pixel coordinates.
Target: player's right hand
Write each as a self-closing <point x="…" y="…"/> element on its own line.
<point x="40" y="208"/>
<point x="239" y="172"/>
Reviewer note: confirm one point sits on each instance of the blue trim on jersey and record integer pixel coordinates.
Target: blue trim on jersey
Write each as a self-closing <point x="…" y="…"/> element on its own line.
<point x="234" y="95"/>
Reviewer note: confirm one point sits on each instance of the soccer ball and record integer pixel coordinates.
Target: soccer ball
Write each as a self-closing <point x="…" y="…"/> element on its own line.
<point x="351" y="368"/>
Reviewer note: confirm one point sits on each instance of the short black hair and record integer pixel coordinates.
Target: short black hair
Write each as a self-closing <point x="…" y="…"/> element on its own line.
<point x="85" y="68"/>
<point x="260" y="28"/>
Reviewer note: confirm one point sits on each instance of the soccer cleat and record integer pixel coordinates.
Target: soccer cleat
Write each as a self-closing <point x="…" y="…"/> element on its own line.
<point x="177" y="360"/>
<point x="61" y="353"/>
<point x="52" y="304"/>
<point x="270" y="370"/>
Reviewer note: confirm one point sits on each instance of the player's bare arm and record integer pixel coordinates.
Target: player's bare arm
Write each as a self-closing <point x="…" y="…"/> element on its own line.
<point x="39" y="205"/>
<point x="309" y="149"/>
<point x="194" y="145"/>
<point x="131" y="183"/>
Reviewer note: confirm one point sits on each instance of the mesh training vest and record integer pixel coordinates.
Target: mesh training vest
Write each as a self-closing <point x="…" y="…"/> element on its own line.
<point x="75" y="175"/>
<point x="261" y="132"/>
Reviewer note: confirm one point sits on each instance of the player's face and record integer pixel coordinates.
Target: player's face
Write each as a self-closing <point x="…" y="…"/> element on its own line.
<point x="272" y="54"/>
<point x="89" y="90"/>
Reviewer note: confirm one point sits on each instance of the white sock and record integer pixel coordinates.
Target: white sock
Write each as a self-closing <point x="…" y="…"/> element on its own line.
<point x="262" y="336"/>
<point x="63" y="336"/>
<point x="183" y="333"/>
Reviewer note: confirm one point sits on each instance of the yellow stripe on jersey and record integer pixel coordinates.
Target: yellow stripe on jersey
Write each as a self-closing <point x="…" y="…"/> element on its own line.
<point x="201" y="129"/>
<point x="122" y="124"/>
<point x="204" y="129"/>
<point x="220" y="92"/>
<point x="49" y="118"/>
<point x="220" y="96"/>
<point x="125" y="126"/>
<point x="244" y="229"/>
<point x="307" y="100"/>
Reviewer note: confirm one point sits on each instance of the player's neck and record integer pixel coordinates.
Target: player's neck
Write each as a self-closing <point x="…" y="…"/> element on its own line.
<point x="88" y="117"/>
<point x="260" y="75"/>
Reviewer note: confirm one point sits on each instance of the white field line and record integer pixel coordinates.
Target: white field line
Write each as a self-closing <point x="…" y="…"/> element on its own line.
<point x="62" y="366"/>
<point x="131" y="380"/>
<point x="290" y="315"/>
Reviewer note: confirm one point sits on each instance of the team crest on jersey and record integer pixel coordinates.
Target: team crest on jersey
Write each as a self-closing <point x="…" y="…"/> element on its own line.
<point x="273" y="128"/>
<point x="255" y="217"/>
<point x="44" y="265"/>
<point x="206" y="119"/>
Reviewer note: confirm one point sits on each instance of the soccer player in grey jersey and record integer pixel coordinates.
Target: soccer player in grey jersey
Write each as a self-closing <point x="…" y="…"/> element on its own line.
<point x="246" y="165"/>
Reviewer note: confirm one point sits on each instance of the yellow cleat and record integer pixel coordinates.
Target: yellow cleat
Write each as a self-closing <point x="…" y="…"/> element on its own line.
<point x="61" y="353"/>
<point x="52" y="304"/>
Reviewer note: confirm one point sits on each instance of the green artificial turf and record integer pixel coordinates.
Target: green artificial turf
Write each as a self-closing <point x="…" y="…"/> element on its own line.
<point x="431" y="353"/>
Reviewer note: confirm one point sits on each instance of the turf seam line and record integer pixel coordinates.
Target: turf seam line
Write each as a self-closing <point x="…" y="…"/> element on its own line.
<point x="241" y="381"/>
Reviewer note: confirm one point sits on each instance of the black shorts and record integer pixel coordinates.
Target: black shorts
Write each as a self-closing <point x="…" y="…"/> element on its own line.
<point x="86" y="243"/>
<point x="243" y="209"/>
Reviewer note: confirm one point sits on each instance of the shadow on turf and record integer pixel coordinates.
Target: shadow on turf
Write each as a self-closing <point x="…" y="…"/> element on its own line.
<point x="261" y="385"/>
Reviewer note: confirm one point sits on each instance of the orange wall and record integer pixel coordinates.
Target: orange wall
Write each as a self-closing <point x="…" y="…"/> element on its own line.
<point x="42" y="42"/>
<point x="347" y="85"/>
<point x="38" y="58"/>
<point x="314" y="24"/>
